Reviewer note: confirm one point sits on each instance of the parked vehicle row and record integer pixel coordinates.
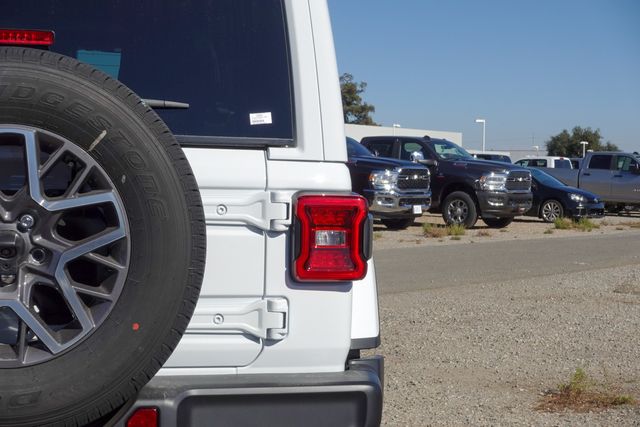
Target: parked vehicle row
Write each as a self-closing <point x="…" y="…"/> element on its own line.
<point x="463" y="188"/>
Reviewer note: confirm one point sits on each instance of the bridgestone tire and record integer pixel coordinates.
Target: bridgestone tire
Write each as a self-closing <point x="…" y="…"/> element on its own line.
<point x="459" y="209"/>
<point x="397" y="223"/>
<point x="149" y="172"/>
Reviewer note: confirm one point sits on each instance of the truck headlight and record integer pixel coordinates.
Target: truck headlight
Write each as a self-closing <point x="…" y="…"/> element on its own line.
<point x="576" y="197"/>
<point x="383" y="180"/>
<point x="493" y="182"/>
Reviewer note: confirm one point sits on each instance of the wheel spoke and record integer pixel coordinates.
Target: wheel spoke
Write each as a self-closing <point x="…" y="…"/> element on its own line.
<point x="33" y="163"/>
<point x="51" y="161"/>
<point x="79" y="202"/>
<point x="78" y="181"/>
<point x="44" y="334"/>
<point x="106" y="261"/>
<point x="88" y="245"/>
<point x="99" y="292"/>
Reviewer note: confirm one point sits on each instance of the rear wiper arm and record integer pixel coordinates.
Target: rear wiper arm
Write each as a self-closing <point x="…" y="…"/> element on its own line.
<point x="162" y="104"/>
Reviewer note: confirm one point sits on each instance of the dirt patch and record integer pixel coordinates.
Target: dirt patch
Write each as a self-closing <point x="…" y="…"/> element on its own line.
<point x="628" y="288"/>
<point x="583" y="394"/>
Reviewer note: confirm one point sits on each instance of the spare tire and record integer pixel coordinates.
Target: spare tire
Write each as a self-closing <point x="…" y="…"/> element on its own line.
<point x="102" y="241"/>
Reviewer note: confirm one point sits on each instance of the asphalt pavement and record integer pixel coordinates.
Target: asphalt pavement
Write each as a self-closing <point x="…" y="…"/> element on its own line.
<point x="430" y="267"/>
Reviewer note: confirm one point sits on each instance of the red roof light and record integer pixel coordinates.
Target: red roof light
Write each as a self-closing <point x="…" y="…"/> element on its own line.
<point x="26" y="37"/>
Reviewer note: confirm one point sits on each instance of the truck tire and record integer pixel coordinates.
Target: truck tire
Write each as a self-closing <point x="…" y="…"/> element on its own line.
<point x="397" y="223"/>
<point x="100" y="206"/>
<point x="550" y="210"/>
<point x="498" y="222"/>
<point x="459" y="209"/>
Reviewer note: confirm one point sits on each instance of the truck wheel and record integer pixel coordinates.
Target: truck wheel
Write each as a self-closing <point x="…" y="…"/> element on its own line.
<point x="498" y="222"/>
<point x="102" y="241"/>
<point x="550" y="210"/>
<point x="459" y="208"/>
<point x="397" y="223"/>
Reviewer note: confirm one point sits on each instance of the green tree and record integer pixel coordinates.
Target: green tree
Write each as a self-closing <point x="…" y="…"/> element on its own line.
<point x="568" y="144"/>
<point x="354" y="108"/>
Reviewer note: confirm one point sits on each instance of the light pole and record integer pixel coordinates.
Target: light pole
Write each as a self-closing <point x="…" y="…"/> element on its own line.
<point x="484" y="123"/>
<point x="537" y="148"/>
<point x="584" y="147"/>
<point x="395" y="126"/>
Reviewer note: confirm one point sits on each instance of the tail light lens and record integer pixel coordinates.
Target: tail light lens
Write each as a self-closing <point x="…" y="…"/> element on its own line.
<point x="143" y="417"/>
<point x="332" y="238"/>
<point x="26" y="37"/>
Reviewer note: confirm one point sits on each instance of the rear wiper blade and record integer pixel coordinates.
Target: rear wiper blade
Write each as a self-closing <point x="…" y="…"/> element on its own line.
<point x="162" y="104"/>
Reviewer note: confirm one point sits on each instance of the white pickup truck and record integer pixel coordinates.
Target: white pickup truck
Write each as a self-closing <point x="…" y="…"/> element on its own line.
<point x="184" y="250"/>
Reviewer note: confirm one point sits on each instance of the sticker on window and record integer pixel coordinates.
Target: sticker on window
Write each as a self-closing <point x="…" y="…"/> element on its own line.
<point x="260" y="119"/>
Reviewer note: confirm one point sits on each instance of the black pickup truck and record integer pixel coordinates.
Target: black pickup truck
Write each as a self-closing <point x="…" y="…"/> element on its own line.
<point x="397" y="190"/>
<point x="463" y="187"/>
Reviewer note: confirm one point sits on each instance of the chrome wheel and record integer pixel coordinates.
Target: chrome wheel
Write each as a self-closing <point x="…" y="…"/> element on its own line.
<point x="64" y="245"/>
<point x="551" y="210"/>
<point x="458" y="211"/>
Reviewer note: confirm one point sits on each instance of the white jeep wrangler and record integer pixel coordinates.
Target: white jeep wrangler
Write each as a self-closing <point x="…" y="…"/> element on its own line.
<point x="213" y="270"/>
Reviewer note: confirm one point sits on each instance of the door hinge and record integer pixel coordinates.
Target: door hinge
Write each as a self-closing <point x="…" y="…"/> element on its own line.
<point x="267" y="210"/>
<point x="266" y="318"/>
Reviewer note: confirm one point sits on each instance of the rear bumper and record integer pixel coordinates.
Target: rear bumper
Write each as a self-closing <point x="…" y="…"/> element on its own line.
<point x="352" y="397"/>
<point x="500" y="205"/>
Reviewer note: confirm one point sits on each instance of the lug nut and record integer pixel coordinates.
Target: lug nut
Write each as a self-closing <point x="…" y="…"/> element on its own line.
<point x="26" y="222"/>
<point x="38" y="255"/>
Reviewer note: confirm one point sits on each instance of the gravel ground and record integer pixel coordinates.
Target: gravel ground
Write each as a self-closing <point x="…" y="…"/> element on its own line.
<point x="484" y="354"/>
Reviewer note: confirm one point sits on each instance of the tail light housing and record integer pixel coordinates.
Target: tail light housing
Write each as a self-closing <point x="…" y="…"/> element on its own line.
<point x="332" y="240"/>
<point x="26" y="37"/>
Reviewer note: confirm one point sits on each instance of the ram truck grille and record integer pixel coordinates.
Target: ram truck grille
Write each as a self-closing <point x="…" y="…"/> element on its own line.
<point x="413" y="179"/>
<point x="519" y="181"/>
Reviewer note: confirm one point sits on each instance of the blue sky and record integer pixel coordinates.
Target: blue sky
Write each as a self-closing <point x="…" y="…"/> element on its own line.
<point x="529" y="68"/>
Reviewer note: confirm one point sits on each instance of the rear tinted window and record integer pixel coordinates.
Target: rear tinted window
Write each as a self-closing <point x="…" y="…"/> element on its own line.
<point x="228" y="59"/>
<point x="600" y="162"/>
<point x="563" y="163"/>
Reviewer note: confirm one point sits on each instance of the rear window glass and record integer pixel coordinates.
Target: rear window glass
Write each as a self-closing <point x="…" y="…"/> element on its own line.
<point x="227" y="59"/>
<point x="600" y="162"/>
<point x="563" y="164"/>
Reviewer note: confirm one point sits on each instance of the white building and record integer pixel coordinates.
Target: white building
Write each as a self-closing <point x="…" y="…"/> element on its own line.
<point x="358" y="132"/>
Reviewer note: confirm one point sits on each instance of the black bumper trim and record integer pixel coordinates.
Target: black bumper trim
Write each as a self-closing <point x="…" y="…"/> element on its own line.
<point x="352" y="397"/>
<point x="365" y="343"/>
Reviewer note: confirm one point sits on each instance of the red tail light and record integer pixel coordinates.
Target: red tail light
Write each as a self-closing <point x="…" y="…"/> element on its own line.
<point x="332" y="238"/>
<point x="144" y="417"/>
<point x="26" y="37"/>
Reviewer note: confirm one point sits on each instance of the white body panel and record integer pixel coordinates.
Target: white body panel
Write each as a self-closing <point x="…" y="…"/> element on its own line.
<point x="248" y="198"/>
